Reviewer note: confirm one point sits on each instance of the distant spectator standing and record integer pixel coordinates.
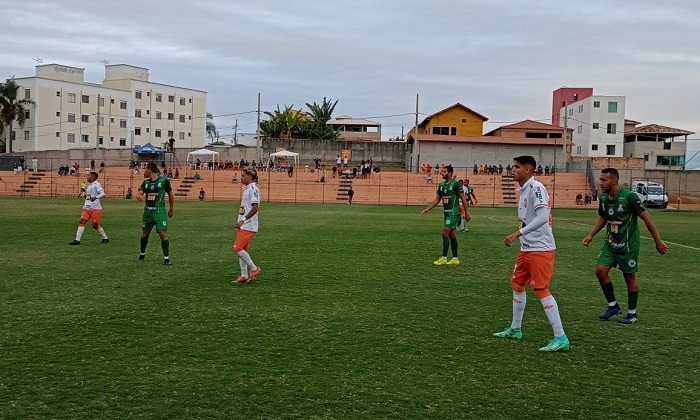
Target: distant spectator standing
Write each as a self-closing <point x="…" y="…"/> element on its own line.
<point x="351" y="194"/>
<point x="35" y="165"/>
<point x="201" y="194"/>
<point x="92" y="164"/>
<point x="102" y="166"/>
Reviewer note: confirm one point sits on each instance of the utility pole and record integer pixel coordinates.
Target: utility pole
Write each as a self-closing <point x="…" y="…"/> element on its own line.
<point x="235" y="133"/>
<point x="97" y="140"/>
<point x="566" y="132"/>
<point x="257" y="132"/>
<point x="415" y="138"/>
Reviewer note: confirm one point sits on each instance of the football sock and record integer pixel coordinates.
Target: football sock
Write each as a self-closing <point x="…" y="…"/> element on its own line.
<point x="453" y="242"/>
<point x="166" y="248"/>
<point x="445" y="246"/>
<point x="144" y="243"/>
<point x="632" y="301"/>
<point x="102" y="232"/>
<point x="609" y="293"/>
<point x="245" y="257"/>
<point x="79" y="233"/>
<point x="519" y="301"/>
<point x="244" y="267"/>
<point x="552" y="310"/>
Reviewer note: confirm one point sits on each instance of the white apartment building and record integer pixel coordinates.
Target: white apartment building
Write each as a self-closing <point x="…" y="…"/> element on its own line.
<point x="598" y="123"/>
<point x="125" y="111"/>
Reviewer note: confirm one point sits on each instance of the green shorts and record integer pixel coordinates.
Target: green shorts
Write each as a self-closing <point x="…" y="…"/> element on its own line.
<point x="452" y="221"/>
<point x="625" y="261"/>
<point x="159" y="220"/>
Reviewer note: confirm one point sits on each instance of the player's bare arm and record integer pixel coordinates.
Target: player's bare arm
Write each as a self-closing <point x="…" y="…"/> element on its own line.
<point x="171" y="201"/>
<point x="661" y="247"/>
<point x="140" y="194"/>
<point x="512" y="238"/>
<point x="598" y="226"/>
<point x="431" y="206"/>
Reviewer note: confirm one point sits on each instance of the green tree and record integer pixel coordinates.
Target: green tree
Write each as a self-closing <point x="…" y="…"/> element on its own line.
<point x="211" y="128"/>
<point x="11" y="109"/>
<point x="285" y="124"/>
<point x="321" y="114"/>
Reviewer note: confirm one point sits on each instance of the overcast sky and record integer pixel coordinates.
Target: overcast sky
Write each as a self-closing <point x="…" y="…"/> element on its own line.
<point x="502" y="59"/>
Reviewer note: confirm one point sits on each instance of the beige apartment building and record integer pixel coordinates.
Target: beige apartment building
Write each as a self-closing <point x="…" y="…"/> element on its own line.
<point x="125" y="111"/>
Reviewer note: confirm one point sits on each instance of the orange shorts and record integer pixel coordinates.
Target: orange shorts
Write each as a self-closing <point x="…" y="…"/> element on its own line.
<point x="95" y="215"/>
<point x="534" y="268"/>
<point x="242" y="241"/>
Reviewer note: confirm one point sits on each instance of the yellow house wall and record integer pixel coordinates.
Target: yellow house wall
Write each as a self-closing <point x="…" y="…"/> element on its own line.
<point x="453" y="118"/>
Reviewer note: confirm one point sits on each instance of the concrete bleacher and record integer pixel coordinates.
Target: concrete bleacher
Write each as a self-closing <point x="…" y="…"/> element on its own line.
<point x="385" y="187"/>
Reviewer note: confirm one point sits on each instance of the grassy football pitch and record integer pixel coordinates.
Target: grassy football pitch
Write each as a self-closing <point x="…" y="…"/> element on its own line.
<point x="348" y="320"/>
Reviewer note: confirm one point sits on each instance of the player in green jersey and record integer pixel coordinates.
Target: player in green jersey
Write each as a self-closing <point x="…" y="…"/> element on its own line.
<point x="619" y="208"/>
<point x="153" y="190"/>
<point x="449" y="193"/>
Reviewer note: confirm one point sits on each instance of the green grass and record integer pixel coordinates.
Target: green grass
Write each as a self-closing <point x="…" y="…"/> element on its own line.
<point x="348" y="320"/>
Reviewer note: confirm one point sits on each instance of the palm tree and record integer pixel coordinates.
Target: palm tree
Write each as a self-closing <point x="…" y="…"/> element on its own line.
<point x="211" y="128"/>
<point x="11" y="109"/>
<point x="321" y="114"/>
<point x="285" y="124"/>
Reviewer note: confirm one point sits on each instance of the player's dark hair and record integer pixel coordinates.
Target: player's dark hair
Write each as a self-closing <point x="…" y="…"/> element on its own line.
<point x="252" y="172"/>
<point x="450" y="169"/>
<point x="151" y="166"/>
<point x="614" y="174"/>
<point x="95" y="174"/>
<point x="526" y="160"/>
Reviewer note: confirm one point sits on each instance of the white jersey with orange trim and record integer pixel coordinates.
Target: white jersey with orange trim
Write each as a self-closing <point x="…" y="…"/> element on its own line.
<point x="535" y="218"/>
<point x="251" y="195"/>
<point x="94" y="189"/>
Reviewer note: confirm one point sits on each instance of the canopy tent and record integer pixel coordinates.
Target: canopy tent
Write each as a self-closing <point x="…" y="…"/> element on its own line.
<point x="204" y="154"/>
<point x="147" y="149"/>
<point x="285" y="154"/>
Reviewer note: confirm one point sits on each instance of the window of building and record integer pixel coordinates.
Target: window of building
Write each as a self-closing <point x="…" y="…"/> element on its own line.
<point x="12" y="135"/>
<point x="71" y="98"/>
<point x="148" y="93"/>
<point x="26" y="134"/>
<point x="157" y="133"/>
<point x="571" y="112"/>
<point x="667" y="145"/>
<point x="182" y="118"/>
<point x="670" y="160"/>
<point x="111" y="101"/>
<point x="122" y="142"/>
<point x="189" y="134"/>
<point x="596" y="104"/>
<point x="171" y="98"/>
<point x="596" y="126"/>
<point x="58" y="134"/>
<point x="111" y="139"/>
<point x="122" y="104"/>
<point x="85" y="118"/>
<point x="171" y="133"/>
<point x="580" y="109"/>
<point x="148" y="130"/>
<point x="111" y="120"/>
<point x="122" y="123"/>
<point x="610" y="150"/>
<point x="445" y="131"/>
<point x="137" y="94"/>
<point x="171" y="116"/>
<point x="58" y="93"/>
<point x="580" y="129"/>
<point x="464" y="120"/>
<point x="101" y="102"/>
<point x="159" y="97"/>
<point x="159" y="115"/>
<point x="612" y="107"/>
<point x="148" y="112"/>
<point x="181" y="135"/>
<point x="578" y="150"/>
<point x="612" y="128"/>
<point x="646" y="158"/>
<point x="71" y="117"/>
<point x="86" y="99"/>
<point x="137" y="113"/>
<point x="594" y="147"/>
<point x="101" y="140"/>
<point x="71" y="138"/>
<point x="102" y="121"/>
<point x="26" y="114"/>
<point x="190" y="100"/>
<point x="137" y="131"/>
<point x="84" y="138"/>
<point x="182" y="101"/>
<point x="27" y="94"/>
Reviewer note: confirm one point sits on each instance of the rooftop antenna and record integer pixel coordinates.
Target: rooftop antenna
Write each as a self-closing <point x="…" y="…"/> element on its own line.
<point x="105" y="62"/>
<point x="39" y="61"/>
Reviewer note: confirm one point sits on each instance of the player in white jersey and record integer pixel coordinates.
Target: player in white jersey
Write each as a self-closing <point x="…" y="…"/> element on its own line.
<point x="92" y="209"/>
<point x="247" y="225"/>
<point x="535" y="262"/>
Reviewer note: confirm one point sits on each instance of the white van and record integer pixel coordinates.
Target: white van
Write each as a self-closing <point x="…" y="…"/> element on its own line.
<point x="651" y="193"/>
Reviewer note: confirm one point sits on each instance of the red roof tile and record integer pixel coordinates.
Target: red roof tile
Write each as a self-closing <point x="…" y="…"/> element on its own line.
<point x="658" y="129"/>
